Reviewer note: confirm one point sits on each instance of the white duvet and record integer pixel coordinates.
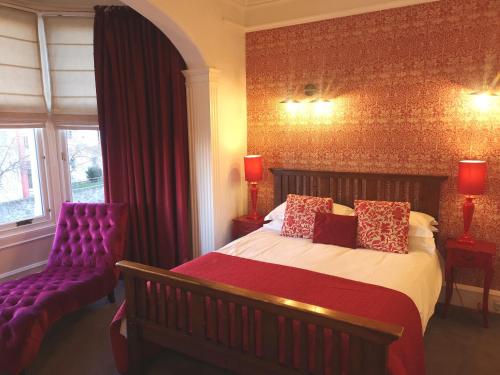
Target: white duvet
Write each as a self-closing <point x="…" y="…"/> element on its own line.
<point x="417" y="274"/>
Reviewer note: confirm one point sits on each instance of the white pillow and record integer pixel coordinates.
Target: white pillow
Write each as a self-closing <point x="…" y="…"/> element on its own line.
<point x="279" y="212"/>
<point x="274" y="225"/>
<point x="422" y="225"/>
<point x="339" y="209"/>
<point x="421" y="243"/>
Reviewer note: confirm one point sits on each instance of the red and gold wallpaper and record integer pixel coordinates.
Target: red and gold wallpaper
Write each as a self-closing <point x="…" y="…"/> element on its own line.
<point x="399" y="82"/>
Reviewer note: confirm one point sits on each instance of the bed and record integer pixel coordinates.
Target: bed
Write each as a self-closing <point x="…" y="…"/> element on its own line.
<point x="251" y="307"/>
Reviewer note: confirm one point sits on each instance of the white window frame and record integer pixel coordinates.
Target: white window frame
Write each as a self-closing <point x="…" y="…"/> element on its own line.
<point x="54" y="179"/>
<point x="45" y="187"/>
<point x="63" y="155"/>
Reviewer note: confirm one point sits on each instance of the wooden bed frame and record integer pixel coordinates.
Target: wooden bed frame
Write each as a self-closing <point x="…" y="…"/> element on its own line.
<point x="182" y="323"/>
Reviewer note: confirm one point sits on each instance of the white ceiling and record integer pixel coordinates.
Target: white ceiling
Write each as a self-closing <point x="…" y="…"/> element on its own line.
<point x="63" y="5"/>
<point x="264" y="14"/>
<point x="251" y="14"/>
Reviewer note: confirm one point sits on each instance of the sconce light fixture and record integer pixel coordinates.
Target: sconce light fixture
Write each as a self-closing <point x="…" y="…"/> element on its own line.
<point x="313" y="109"/>
<point x="483" y="99"/>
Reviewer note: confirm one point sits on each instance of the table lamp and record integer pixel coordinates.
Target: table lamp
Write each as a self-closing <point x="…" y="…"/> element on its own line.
<point x="471" y="181"/>
<point x="253" y="174"/>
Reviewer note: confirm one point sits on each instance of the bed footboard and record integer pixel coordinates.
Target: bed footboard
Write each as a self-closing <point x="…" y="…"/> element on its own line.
<point x="248" y="332"/>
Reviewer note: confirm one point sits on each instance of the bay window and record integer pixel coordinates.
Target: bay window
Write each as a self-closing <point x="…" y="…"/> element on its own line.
<point x="82" y="164"/>
<point x="23" y="180"/>
<point x="50" y="148"/>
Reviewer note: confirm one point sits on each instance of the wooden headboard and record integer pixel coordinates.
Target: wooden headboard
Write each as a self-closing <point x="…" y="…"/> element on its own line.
<point x="423" y="192"/>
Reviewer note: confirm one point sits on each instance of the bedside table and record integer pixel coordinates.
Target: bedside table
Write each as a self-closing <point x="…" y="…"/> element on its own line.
<point x="478" y="255"/>
<point x="243" y="225"/>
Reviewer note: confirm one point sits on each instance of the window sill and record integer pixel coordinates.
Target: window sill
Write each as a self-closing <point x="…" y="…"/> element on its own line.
<point x="33" y="232"/>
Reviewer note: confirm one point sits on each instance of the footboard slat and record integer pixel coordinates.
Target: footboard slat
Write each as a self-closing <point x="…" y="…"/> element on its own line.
<point x="336" y="353"/>
<point x="320" y="351"/>
<point x="222" y="323"/>
<point x="249" y="332"/>
<point x="162" y="301"/>
<point x="288" y="343"/>
<point x="236" y="327"/>
<point x="152" y="296"/>
<point x="270" y="336"/>
<point x="355" y="351"/>
<point x="197" y="316"/>
<point x="171" y="308"/>
<point x="181" y="309"/>
<point x="142" y="294"/>
<point x="303" y="338"/>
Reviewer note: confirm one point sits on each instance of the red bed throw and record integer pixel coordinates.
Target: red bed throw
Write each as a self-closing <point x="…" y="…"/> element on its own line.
<point x="406" y="355"/>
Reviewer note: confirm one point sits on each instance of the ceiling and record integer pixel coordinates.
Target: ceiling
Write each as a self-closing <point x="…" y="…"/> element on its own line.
<point x="251" y="14"/>
<point x="263" y="14"/>
<point x="62" y="5"/>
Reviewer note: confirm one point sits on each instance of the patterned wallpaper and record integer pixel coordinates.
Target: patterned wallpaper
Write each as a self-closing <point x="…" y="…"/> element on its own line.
<point x="399" y="80"/>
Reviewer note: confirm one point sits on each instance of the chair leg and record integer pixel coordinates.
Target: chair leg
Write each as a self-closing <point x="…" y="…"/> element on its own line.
<point x="111" y="297"/>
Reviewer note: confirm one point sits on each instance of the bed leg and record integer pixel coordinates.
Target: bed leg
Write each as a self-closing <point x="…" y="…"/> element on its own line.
<point x="134" y="356"/>
<point x="111" y="297"/>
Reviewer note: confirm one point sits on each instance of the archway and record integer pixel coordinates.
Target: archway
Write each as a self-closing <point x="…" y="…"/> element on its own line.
<point x="201" y="85"/>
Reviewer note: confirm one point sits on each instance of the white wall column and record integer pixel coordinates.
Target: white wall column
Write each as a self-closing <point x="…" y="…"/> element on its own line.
<point x="201" y="90"/>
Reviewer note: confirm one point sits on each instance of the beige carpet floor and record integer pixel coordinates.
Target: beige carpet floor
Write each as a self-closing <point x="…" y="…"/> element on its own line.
<point x="79" y="345"/>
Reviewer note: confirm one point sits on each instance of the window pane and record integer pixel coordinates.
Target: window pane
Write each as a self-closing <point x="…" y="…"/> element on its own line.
<point x="20" y="192"/>
<point x="85" y="165"/>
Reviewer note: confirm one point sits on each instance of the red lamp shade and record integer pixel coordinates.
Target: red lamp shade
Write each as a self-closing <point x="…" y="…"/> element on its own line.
<point x="253" y="168"/>
<point x="471" y="177"/>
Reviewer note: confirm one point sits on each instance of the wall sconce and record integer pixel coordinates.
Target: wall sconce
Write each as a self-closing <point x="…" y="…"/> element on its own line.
<point x="309" y="110"/>
<point x="485" y="98"/>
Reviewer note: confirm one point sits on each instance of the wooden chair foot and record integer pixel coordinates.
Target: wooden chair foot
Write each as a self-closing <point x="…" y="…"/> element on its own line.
<point x="111" y="297"/>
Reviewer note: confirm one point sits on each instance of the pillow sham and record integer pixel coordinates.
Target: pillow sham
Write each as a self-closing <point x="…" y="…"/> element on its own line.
<point x="300" y="214"/>
<point x="278" y="213"/>
<point x="422" y="225"/>
<point x="382" y="225"/>
<point x="422" y="243"/>
<point x="332" y="229"/>
<point x="274" y="225"/>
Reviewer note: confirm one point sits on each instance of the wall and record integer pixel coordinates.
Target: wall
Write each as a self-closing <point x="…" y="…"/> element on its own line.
<point x="400" y="80"/>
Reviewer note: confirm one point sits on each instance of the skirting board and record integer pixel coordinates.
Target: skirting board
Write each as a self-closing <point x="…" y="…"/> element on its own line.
<point x="23" y="271"/>
<point x="463" y="295"/>
<point x="471" y="297"/>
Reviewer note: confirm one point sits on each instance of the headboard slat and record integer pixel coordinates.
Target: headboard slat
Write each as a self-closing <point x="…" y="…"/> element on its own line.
<point x="423" y="192"/>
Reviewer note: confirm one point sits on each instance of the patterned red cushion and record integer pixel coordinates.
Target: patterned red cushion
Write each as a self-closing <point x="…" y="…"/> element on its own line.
<point x="300" y="212"/>
<point x="383" y="225"/>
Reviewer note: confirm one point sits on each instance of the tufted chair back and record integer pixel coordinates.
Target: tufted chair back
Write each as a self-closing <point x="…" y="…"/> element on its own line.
<point x="89" y="235"/>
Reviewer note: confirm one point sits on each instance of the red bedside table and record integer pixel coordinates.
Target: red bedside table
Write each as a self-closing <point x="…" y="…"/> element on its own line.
<point x="478" y="255"/>
<point x="243" y="225"/>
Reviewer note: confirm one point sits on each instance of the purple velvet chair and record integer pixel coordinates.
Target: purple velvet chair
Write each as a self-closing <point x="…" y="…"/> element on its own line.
<point x="89" y="240"/>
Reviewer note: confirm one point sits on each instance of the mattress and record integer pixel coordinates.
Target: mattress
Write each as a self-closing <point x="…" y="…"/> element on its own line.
<point x="417" y="274"/>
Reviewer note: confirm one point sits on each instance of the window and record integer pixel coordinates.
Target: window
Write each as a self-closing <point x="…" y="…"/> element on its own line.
<point x="49" y="139"/>
<point x="83" y="165"/>
<point x="23" y="196"/>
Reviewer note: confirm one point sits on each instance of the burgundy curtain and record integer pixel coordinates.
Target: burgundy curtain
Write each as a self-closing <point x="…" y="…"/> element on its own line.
<point x="141" y="101"/>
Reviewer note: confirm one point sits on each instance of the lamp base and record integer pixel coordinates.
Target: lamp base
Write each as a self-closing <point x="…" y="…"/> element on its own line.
<point x="468" y="212"/>
<point x="253" y="194"/>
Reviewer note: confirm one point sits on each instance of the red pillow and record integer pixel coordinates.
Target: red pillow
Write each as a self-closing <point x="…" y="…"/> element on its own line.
<point x="383" y="225"/>
<point x="334" y="229"/>
<point x="300" y="212"/>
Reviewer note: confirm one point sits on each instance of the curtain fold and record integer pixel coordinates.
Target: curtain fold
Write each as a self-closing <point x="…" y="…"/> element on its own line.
<point x="141" y="102"/>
